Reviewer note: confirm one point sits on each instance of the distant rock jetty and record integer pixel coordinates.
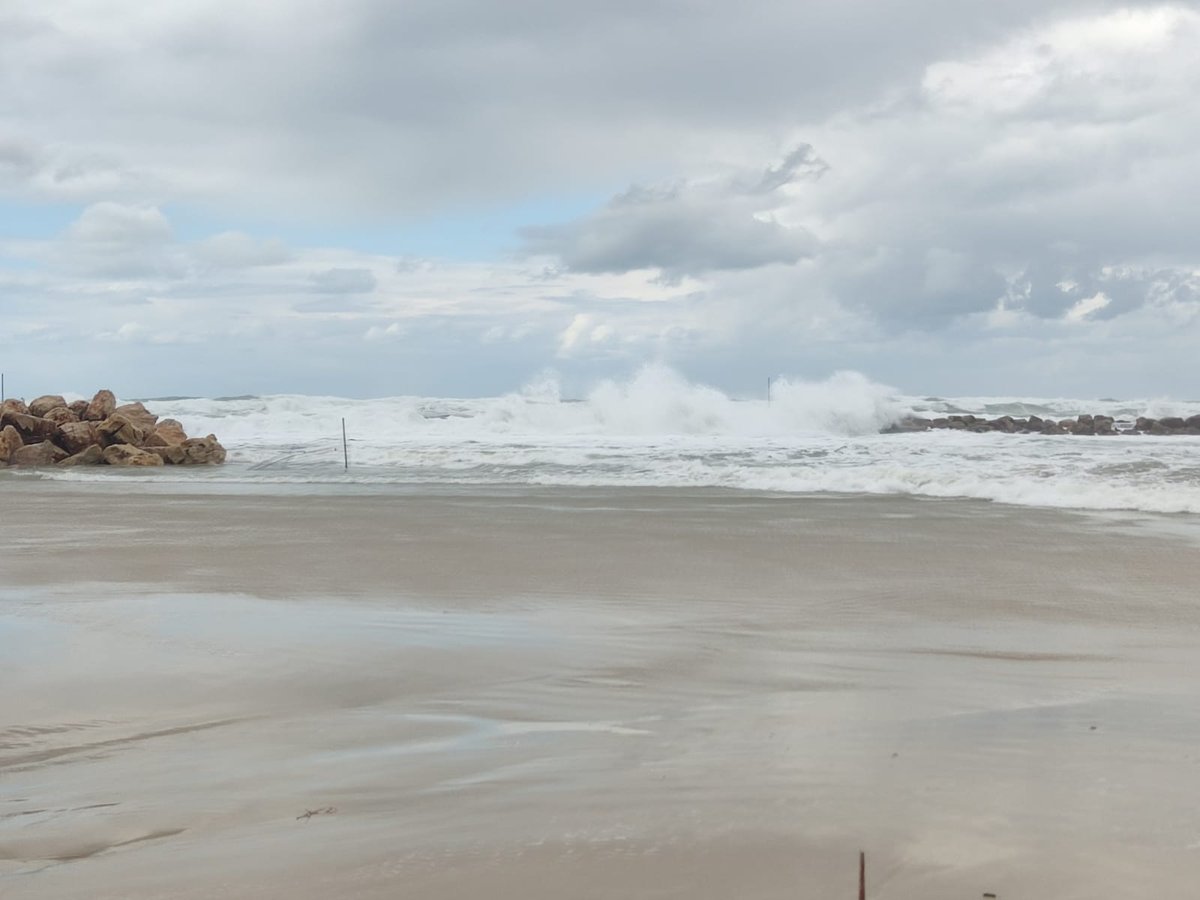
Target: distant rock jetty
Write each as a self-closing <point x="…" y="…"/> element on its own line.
<point x="49" y="431"/>
<point x="1085" y="424"/>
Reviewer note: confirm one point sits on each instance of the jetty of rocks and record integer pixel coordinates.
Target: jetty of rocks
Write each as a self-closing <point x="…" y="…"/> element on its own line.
<point x="1084" y="424"/>
<point x="49" y="431"/>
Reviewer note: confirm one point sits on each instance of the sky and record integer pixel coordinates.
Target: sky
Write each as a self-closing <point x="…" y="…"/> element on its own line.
<point x="454" y="197"/>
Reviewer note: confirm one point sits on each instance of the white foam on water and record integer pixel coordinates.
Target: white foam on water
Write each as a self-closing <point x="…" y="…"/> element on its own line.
<point x="658" y="429"/>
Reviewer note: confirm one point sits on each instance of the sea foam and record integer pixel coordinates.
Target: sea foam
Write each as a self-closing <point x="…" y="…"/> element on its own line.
<point x="657" y="429"/>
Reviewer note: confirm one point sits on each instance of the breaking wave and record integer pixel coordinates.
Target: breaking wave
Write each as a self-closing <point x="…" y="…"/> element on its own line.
<point x="658" y="429"/>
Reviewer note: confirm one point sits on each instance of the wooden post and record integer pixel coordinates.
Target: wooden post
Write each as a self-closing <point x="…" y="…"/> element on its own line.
<point x="345" y="449"/>
<point x="862" y="875"/>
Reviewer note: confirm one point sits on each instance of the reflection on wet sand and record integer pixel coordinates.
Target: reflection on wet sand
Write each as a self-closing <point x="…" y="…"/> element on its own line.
<point x="597" y="694"/>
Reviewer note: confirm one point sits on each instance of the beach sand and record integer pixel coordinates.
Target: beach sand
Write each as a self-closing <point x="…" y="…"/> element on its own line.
<point x="551" y="693"/>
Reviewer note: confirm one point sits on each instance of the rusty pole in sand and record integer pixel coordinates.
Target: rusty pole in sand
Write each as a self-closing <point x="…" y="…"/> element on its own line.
<point x="862" y="875"/>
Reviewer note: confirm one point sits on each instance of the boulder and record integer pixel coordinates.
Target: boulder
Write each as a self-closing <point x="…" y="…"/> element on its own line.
<point x="1144" y="424"/>
<point x="103" y="405"/>
<point x="39" y="406"/>
<point x="1049" y="427"/>
<point x="1035" y="423"/>
<point x="125" y="455"/>
<point x="61" y="415"/>
<point x="89" y="456"/>
<point x="1003" y="423"/>
<point x="79" y="407"/>
<point x="13" y="405"/>
<point x="906" y="425"/>
<point x="1083" y="426"/>
<point x="171" y="431"/>
<point x="117" y="429"/>
<point x="75" y="437"/>
<point x="1174" y="423"/>
<point x="203" y="451"/>
<point x="171" y="454"/>
<point x="10" y="442"/>
<point x="32" y="428"/>
<point x="137" y="414"/>
<point x="1104" y="424"/>
<point x="1192" y="421"/>
<point x="43" y="453"/>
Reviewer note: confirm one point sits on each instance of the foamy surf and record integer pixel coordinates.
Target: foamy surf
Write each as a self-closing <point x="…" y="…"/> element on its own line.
<point x="657" y="429"/>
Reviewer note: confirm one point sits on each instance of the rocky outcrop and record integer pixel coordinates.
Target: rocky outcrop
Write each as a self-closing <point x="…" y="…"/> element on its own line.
<point x="49" y="431"/>
<point x="1085" y="424"/>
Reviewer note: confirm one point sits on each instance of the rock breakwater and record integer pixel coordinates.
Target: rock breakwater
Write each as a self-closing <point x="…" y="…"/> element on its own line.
<point x="49" y="431"/>
<point x="1083" y="424"/>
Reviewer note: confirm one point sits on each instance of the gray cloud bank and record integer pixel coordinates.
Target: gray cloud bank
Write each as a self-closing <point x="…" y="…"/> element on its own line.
<point x="882" y="184"/>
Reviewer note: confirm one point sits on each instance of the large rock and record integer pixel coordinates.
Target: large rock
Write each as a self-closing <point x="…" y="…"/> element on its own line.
<point x="103" y="405"/>
<point x="61" y="415"/>
<point x="171" y="432"/>
<point x="89" y="456"/>
<point x="75" y="437"/>
<point x="125" y="455"/>
<point x="1003" y="423"/>
<point x="1104" y="424"/>
<point x="13" y="405"/>
<point x="1173" y="423"/>
<point x="117" y="429"/>
<point x="10" y="442"/>
<point x="43" y="453"/>
<point x="172" y="454"/>
<point x="39" y="406"/>
<point x="203" y="451"/>
<point x="32" y="428"/>
<point x="138" y="414"/>
<point x="79" y="407"/>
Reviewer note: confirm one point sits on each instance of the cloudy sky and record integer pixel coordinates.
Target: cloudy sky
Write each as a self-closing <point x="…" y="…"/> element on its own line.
<point x="450" y="197"/>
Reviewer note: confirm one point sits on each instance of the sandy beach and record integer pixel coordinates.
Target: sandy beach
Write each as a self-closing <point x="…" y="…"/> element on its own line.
<point x="592" y="693"/>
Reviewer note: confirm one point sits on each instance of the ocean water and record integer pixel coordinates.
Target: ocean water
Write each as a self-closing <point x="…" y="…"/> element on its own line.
<point x="658" y="429"/>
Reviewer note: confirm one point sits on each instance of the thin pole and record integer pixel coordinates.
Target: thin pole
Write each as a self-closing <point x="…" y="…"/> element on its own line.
<point x="768" y="390"/>
<point x="1" y="387"/>
<point x="862" y="875"/>
<point x="345" y="450"/>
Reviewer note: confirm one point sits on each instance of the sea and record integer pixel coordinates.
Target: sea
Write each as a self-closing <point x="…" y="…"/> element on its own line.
<point x="658" y="429"/>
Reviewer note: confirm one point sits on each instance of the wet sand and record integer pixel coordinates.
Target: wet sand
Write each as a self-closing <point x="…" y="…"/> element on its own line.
<point x="587" y="694"/>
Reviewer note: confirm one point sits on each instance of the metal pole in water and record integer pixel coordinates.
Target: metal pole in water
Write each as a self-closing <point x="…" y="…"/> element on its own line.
<point x="768" y="390"/>
<point x="862" y="875"/>
<point x="345" y="450"/>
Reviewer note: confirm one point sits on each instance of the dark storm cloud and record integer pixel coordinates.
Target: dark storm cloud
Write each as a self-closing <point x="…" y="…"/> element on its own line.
<point x="686" y="229"/>
<point x="398" y="108"/>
